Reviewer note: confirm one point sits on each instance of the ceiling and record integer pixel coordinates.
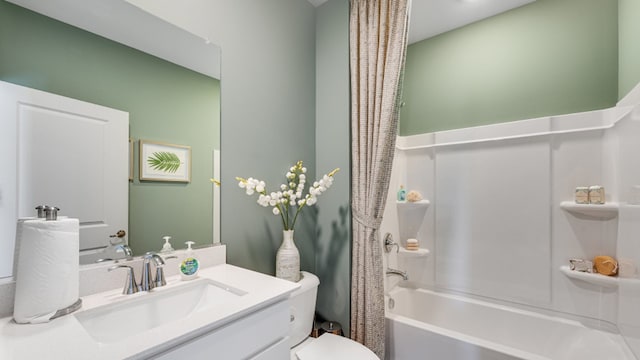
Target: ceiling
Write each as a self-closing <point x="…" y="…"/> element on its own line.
<point x="135" y="28"/>
<point x="428" y="18"/>
<point x="433" y="17"/>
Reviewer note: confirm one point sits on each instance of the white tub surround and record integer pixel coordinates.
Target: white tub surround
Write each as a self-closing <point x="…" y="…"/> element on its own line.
<point x="257" y="311"/>
<point x="454" y="327"/>
<point x="503" y="225"/>
<point x="502" y="222"/>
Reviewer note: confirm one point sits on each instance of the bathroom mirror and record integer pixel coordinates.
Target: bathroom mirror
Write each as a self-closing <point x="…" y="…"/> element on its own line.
<point x="173" y="77"/>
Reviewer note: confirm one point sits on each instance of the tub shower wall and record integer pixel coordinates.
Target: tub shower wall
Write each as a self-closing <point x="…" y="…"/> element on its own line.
<point x="495" y="228"/>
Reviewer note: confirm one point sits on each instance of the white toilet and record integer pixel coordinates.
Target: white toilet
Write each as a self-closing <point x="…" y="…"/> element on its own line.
<point x="327" y="346"/>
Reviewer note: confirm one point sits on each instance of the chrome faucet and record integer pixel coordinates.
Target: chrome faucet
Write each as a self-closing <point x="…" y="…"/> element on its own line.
<point x="400" y="273"/>
<point x="160" y="280"/>
<point x="112" y="251"/>
<point x="130" y="286"/>
<point x="146" y="283"/>
<point x="124" y="248"/>
<point x="117" y="244"/>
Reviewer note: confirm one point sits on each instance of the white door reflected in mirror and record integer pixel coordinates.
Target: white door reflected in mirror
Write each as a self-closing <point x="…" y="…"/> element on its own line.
<point x="68" y="153"/>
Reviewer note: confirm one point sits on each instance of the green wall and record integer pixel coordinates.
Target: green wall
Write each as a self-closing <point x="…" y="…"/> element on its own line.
<point x="547" y="58"/>
<point x="268" y="122"/>
<point x="333" y="249"/>
<point x="165" y="102"/>
<point x="629" y="43"/>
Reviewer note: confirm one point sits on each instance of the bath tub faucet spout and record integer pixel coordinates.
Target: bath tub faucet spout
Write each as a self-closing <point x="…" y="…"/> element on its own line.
<point x="401" y="273"/>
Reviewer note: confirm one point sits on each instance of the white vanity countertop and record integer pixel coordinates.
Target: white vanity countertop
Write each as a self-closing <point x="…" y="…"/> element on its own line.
<point x="65" y="337"/>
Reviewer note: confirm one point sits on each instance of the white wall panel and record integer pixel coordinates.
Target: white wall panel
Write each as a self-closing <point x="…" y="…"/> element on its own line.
<point x="628" y="246"/>
<point x="493" y="219"/>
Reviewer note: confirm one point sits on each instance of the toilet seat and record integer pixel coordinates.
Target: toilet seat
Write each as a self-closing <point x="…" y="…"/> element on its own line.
<point x="330" y="346"/>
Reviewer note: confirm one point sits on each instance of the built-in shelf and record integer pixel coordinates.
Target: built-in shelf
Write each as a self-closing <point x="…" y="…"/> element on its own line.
<point x="601" y="211"/>
<point x="592" y="278"/>
<point x="414" y="204"/>
<point x="421" y="252"/>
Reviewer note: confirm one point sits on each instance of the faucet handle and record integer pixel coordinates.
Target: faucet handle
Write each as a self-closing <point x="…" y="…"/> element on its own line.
<point x="160" y="280"/>
<point x="130" y="286"/>
<point x="389" y="243"/>
<point x="157" y="259"/>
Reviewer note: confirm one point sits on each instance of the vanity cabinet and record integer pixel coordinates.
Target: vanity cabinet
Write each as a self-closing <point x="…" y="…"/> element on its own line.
<point x="261" y="335"/>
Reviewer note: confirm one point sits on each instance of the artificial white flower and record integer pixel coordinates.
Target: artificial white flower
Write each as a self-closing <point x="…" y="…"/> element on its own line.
<point x="290" y="200"/>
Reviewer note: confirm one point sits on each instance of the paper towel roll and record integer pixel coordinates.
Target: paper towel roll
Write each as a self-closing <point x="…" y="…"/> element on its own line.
<point x="16" y="248"/>
<point x="47" y="276"/>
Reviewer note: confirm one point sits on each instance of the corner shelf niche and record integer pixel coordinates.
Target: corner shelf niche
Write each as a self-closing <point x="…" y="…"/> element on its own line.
<point x="421" y="252"/>
<point x="592" y="278"/>
<point x="600" y="211"/>
<point x="412" y="205"/>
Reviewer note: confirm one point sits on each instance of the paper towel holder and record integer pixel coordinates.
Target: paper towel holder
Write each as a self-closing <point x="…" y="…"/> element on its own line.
<point x="50" y="212"/>
<point x="40" y="210"/>
<point x="68" y="310"/>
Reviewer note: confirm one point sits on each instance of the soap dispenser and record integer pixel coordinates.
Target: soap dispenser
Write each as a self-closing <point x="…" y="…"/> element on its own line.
<point x="166" y="248"/>
<point x="189" y="266"/>
<point x="402" y="194"/>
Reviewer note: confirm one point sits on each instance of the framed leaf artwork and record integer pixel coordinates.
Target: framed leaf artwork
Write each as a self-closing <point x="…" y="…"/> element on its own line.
<point x="164" y="162"/>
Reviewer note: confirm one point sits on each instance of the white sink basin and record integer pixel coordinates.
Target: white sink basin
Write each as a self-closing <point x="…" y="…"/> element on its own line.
<point x="145" y="311"/>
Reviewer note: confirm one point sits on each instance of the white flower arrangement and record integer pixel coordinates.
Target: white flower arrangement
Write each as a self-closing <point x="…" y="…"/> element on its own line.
<point x="289" y="201"/>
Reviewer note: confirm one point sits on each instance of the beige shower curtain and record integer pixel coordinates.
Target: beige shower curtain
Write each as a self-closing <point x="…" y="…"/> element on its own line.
<point x="378" y="43"/>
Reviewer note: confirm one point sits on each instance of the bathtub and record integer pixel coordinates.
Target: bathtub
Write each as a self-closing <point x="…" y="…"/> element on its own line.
<point x="426" y="325"/>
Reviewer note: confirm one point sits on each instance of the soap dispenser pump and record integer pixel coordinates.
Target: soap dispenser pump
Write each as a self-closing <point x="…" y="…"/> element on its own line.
<point x="190" y="265"/>
<point x="166" y="248"/>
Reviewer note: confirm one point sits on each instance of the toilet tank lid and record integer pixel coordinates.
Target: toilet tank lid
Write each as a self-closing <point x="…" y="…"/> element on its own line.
<point x="330" y="346"/>
<point x="307" y="281"/>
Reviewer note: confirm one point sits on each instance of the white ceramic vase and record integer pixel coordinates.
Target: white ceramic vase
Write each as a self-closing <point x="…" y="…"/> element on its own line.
<point x="288" y="258"/>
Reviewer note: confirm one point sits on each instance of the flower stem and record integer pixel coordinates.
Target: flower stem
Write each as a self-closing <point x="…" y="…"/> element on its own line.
<point x="296" y="216"/>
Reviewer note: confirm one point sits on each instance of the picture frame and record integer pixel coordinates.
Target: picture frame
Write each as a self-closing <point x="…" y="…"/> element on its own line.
<point x="164" y="162"/>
